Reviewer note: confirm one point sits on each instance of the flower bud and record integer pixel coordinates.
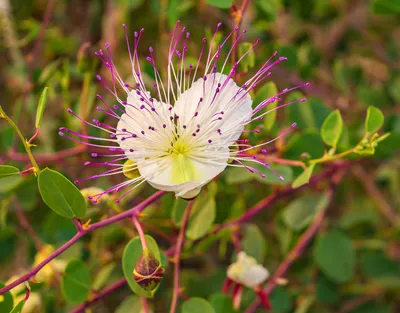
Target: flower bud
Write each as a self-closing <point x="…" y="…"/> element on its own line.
<point x="148" y="271"/>
<point x="246" y="271"/>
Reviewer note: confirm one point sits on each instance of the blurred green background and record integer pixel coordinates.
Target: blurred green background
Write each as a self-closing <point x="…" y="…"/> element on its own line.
<point x="348" y="51"/>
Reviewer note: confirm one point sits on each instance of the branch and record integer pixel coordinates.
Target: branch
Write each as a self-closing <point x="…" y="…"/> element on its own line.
<point x="138" y="208"/>
<point x="177" y="257"/>
<point x="105" y="292"/>
<point x="270" y="200"/>
<point x="298" y="249"/>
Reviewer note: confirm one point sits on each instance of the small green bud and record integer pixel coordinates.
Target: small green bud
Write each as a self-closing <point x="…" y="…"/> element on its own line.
<point x="148" y="271"/>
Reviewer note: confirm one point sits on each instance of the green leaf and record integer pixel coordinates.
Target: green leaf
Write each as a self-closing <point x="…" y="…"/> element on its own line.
<point x="376" y="264"/>
<point x="223" y="4"/>
<point x="6" y="301"/>
<point x="308" y="142"/>
<point x="131" y="304"/>
<point x="60" y="194"/>
<point x="9" y="183"/>
<point x="75" y="283"/>
<point x="267" y="91"/>
<point x="8" y="170"/>
<point x="300" y="212"/>
<point x="222" y="303"/>
<point x="178" y="210"/>
<point x="102" y="276"/>
<point x="253" y="243"/>
<point x="41" y="107"/>
<point x="197" y="305"/>
<point x="281" y="301"/>
<point x="132" y="252"/>
<point x="202" y="216"/>
<point x="284" y="171"/>
<point x="304" y="177"/>
<point x="238" y="175"/>
<point x="18" y="308"/>
<point x="269" y="8"/>
<point x="386" y="7"/>
<point x="335" y="256"/>
<point x="249" y="59"/>
<point x="332" y="128"/>
<point x="374" y="119"/>
<point x="308" y="115"/>
<point x="326" y="291"/>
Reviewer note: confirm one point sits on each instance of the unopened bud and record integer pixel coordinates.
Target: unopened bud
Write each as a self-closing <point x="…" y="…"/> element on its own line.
<point x="148" y="271"/>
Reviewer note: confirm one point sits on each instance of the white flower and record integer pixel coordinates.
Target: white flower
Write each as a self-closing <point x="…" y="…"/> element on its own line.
<point x="247" y="272"/>
<point x="185" y="131"/>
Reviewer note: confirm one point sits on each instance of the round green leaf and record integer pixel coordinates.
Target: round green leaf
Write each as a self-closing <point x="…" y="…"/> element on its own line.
<point x="299" y="213"/>
<point x="335" y="256"/>
<point x="75" y="283"/>
<point x="103" y="275"/>
<point x="374" y="119"/>
<point x="6" y="301"/>
<point x="197" y="305"/>
<point x="223" y="4"/>
<point x="132" y="252"/>
<point x="253" y="243"/>
<point x="8" y="170"/>
<point x="60" y="194"/>
<point x="332" y="128"/>
<point x="202" y="216"/>
<point x="326" y="291"/>
<point x="222" y="303"/>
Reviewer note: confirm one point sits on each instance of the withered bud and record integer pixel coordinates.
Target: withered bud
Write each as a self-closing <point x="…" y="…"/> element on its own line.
<point x="148" y="271"/>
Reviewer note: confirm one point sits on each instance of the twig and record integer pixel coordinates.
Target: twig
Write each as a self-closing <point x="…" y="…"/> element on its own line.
<point x="138" y="208"/>
<point x="105" y="292"/>
<point x="140" y="232"/>
<point x="380" y="200"/>
<point x="272" y="199"/>
<point x="177" y="257"/>
<point x="298" y="249"/>
<point x="48" y="157"/>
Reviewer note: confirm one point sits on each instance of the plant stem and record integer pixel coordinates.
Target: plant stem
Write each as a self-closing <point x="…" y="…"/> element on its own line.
<point x="177" y="256"/>
<point x="331" y="158"/>
<point x="140" y="231"/>
<point x="138" y="208"/>
<point x="145" y="305"/>
<point x="299" y="248"/>
<point x="24" y="142"/>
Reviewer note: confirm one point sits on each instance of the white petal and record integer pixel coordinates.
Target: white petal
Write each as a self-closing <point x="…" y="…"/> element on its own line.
<point x="236" y="107"/>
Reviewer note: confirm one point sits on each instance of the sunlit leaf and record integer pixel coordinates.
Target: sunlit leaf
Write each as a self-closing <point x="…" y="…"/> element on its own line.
<point x="41" y="106"/>
<point x="8" y="170"/>
<point x="331" y="129"/>
<point x="374" y="119"/>
<point x="60" y="194"/>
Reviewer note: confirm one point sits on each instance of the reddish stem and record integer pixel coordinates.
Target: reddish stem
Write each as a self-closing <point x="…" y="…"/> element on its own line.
<point x="34" y="135"/>
<point x="138" y="208"/>
<point x="177" y="257"/>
